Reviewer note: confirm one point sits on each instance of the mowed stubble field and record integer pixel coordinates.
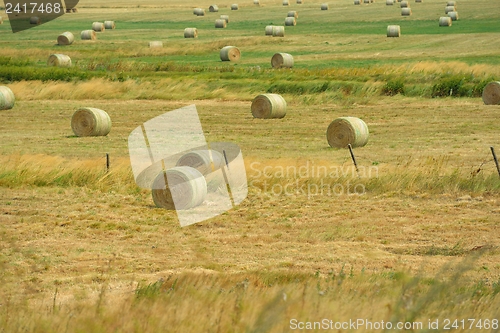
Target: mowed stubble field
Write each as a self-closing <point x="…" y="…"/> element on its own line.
<point x="86" y="250"/>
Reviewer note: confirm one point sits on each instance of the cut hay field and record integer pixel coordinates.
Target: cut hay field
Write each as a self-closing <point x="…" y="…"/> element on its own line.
<point x="412" y="239"/>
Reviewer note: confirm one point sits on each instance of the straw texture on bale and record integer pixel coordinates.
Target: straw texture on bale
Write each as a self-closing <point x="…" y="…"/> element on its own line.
<point x="491" y="93"/>
<point x="109" y="25"/>
<point x="98" y="27"/>
<point x="213" y="8"/>
<point x="190" y="33"/>
<point x="230" y="53"/>
<point x="347" y="130"/>
<point x="267" y="106"/>
<point x="406" y="11"/>
<point x="445" y="21"/>
<point x="285" y="3"/>
<point x="206" y="162"/>
<point x="88" y="35"/>
<point x="448" y="9"/>
<point x="290" y="21"/>
<point x="389" y="2"/>
<point x="7" y="98"/>
<point x="234" y="6"/>
<point x="179" y="188"/>
<point x="35" y="20"/>
<point x="66" y="38"/>
<point x="59" y="60"/>
<point x="269" y="30"/>
<point x="404" y="4"/>
<point x="219" y="23"/>
<point x="453" y="16"/>
<point x="90" y="122"/>
<point x="225" y="17"/>
<point x="293" y="13"/>
<point x="393" y="31"/>
<point x="280" y="60"/>
<point x="324" y="6"/>
<point x="155" y="44"/>
<point x="278" y="31"/>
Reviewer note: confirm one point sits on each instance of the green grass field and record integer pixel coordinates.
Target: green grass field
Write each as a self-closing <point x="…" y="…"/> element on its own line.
<point x="414" y="239"/>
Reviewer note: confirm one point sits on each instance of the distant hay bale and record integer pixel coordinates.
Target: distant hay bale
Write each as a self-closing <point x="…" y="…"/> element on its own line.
<point x="59" y="60"/>
<point x="299" y="2"/>
<point x="451" y="3"/>
<point x="448" y="9"/>
<point x="445" y="21"/>
<point x="282" y="60"/>
<point x="179" y="188"/>
<point x="66" y="38"/>
<point x="357" y="2"/>
<point x="109" y="25"/>
<point x="278" y="31"/>
<point x="406" y="11"/>
<point x="453" y="16"/>
<point x="389" y="2"/>
<point x="213" y="8"/>
<point x="293" y="13"/>
<point x="90" y="122"/>
<point x="234" y="6"/>
<point x="190" y="33"/>
<point x="7" y="98"/>
<point x="405" y="4"/>
<point x="98" y="27"/>
<point x="88" y="35"/>
<point x="364" y="1"/>
<point x="206" y="162"/>
<point x="290" y="21"/>
<point x="268" y="106"/>
<point x="491" y="93"/>
<point x="155" y="44"/>
<point x="418" y="0"/>
<point x="219" y="23"/>
<point x="199" y="12"/>
<point x="225" y="17"/>
<point x="269" y="30"/>
<point x="286" y="3"/>
<point x="35" y="20"/>
<point x="230" y="53"/>
<point x="347" y="130"/>
<point x="324" y="6"/>
<point x="256" y="2"/>
<point x="393" y="31"/>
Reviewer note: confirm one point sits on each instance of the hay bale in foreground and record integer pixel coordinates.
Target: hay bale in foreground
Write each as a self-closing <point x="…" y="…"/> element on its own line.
<point x="88" y="35"/>
<point x="190" y="33"/>
<point x="59" y="60"/>
<point x="280" y="60"/>
<point x="98" y="27"/>
<point x="7" y="98"/>
<point x="155" y="44"/>
<point x="110" y="25"/>
<point x="393" y="31"/>
<point x="324" y="6"/>
<point x="268" y="106"/>
<point x="179" y="188"/>
<point x="206" y="162"/>
<point x="278" y="31"/>
<point x="290" y="21"/>
<point x="66" y="38"/>
<point x="225" y="17"/>
<point x="453" y="16"/>
<point x="347" y="130"/>
<point x="35" y="20"/>
<point x="213" y="8"/>
<point x="406" y="11"/>
<point x="230" y="53"/>
<point x="491" y="93"/>
<point x="219" y="23"/>
<point x="90" y="122"/>
<point x="445" y="21"/>
<point x="234" y="6"/>
<point x="199" y="12"/>
<point x="293" y="13"/>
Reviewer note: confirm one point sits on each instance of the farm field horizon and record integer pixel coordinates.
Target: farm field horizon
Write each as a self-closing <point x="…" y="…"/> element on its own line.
<point x="412" y="237"/>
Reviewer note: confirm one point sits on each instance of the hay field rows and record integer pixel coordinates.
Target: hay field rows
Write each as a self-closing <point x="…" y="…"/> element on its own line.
<point x="414" y="238"/>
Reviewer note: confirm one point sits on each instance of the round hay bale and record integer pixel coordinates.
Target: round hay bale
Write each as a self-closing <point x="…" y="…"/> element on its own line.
<point x="286" y="3"/>
<point x="110" y="25"/>
<point x="66" y="38"/>
<point x="256" y="2"/>
<point x="491" y="93"/>
<point x="405" y="4"/>
<point x="347" y="130"/>
<point x="324" y="6"/>
<point x="90" y="122"/>
<point x="293" y="13"/>
<point x="230" y="53"/>
<point x="453" y="16"/>
<point x="59" y="60"/>
<point x="219" y="23"/>
<point x="393" y="31"/>
<point x="364" y="1"/>
<point x="98" y="27"/>
<point x="225" y="17"/>
<point x="179" y="188"/>
<point x="199" y="12"/>
<point x="451" y="3"/>
<point x="35" y="20"/>
<point x="190" y="33"/>
<point x="280" y="60"/>
<point x="406" y="11"/>
<point x="206" y="162"/>
<point x="445" y="21"/>
<point x="299" y="2"/>
<point x="290" y="21"/>
<point x="88" y="35"/>
<point x="448" y="9"/>
<point x="278" y="31"/>
<point x="7" y="98"/>
<point x="213" y="8"/>
<point x="357" y="2"/>
<point x="389" y="2"/>
<point x="155" y="44"/>
<point x="269" y="30"/>
<point x="268" y="106"/>
<point x="234" y="6"/>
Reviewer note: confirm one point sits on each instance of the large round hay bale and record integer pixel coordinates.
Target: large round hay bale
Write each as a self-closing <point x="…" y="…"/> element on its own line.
<point x="269" y="30"/>
<point x="179" y="188"/>
<point x="190" y="33"/>
<point x="267" y="106"/>
<point x="206" y="162"/>
<point x="213" y="8"/>
<point x="280" y="60"/>
<point x="324" y="6"/>
<point x="278" y="31"/>
<point x="286" y="3"/>
<point x="219" y="23"/>
<point x="293" y="13"/>
<point x="88" y="35"/>
<point x="347" y="130"/>
<point x="290" y="21"/>
<point x="448" y="9"/>
<point x="199" y="12"/>
<point x="406" y="11"/>
<point x="234" y="6"/>
<point x="256" y="2"/>
<point x="90" y="122"/>
<point x="230" y="53"/>
<point x="225" y="17"/>
<point x="110" y="25"/>
<point x="155" y="44"/>
<point x="59" y="60"/>
<point x="98" y="27"/>
<point x="7" y="98"/>
<point x="405" y="4"/>
<point x="445" y="21"/>
<point x="491" y="93"/>
<point x="35" y="20"/>
<point x="66" y="38"/>
<point x="357" y="2"/>
<point x="389" y="2"/>
<point x="393" y="31"/>
<point x="453" y="16"/>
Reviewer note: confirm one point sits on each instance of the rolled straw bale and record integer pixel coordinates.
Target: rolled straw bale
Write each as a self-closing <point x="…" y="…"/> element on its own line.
<point x="451" y="3"/>
<point x="219" y="23"/>
<point x="269" y="30"/>
<point x="364" y="1"/>
<point x="155" y="44"/>
<point x="290" y="21"/>
<point x="445" y="21"/>
<point x="225" y="17"/>
<point x="7" y="98"/>
<point x="230" y="53"/>
<point x="299" y="2"/>
<point x="405" y="4"/>
<point x="110" y="25"/>
<point x="59" y="60"/>
<point x="98" y="27"/>
<point x="286" y="3"/>
<point x="199" y="12"/>
<point x="206" y="162"/>
<point x="90" y="122"/>
<point x="179" y="188"/>
<point x="347" y="130"/>
<point x="234" y="6"/>
<point x="448" y="9"/>
<point x="324" y="6"/>
<point x="389" y="2"/>
<point x="293" y="13"/>
<point x="190" y="33"/>
<point x="491" y="93"/>
<point x="453" y="16"/>
<point x="256" y="2"/>
<point x="280" y="60"/>
<point x="278" y="31"/>
<point x="66" y="38"/>
<point x="406" y="11"/>
<point x="88" y="35"/>
<point x="35" y="20"/>
<point x="357" y="2"/>
<point x="393" y="31"/>
<point x="267" y="106"/>
<point x="213" y="8"/>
